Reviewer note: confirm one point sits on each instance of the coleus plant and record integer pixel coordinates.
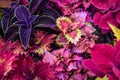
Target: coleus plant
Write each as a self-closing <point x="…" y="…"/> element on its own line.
<point x="25" y="24"/>
<point x="20" y="20"/>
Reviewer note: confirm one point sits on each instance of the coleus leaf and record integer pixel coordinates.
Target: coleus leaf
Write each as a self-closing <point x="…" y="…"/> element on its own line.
<point x="32" y="19"/>
<point x="5" y="22"/>
<point x="20" y="23"/>
<point x="9" y="11"/>
<point x="24" y="2"/>
<point x="34" y="5"/>
<point x="52" y="13"/>
<point x="43" y="4"/>
<point x="8" y="14"/>
<point x="46" y="21"/>
<point x="13" y="20"/>
<point x="22" y="13"/>
<point x="11" y="32"/>
<point x="63" y="23"/>
<point x="104" y="78"/>
<point x="61" y="40"/>
<point x="25" y="33"/>
<point x="73" y="36"/>
<point x="115" y="30"/>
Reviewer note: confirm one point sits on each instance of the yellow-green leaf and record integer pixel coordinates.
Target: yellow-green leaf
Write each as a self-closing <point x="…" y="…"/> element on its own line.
<point x="115" y="30"/>
<point x="104" y="78"/>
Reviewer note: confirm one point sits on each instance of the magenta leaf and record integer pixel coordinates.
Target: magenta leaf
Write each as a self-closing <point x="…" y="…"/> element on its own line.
<point x="118" y="17"/>
<point x="89" y="64"/>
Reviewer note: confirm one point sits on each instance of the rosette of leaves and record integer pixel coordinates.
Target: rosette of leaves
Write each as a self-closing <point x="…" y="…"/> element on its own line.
<point x="25" y="20"/>
<point x="24" y="23"/>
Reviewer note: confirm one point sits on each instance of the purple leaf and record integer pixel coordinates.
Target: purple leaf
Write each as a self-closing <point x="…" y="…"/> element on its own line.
<point x="20" y="23"/>
<point x="34" y="5"/>
<point x="32" y="19"/>
<point x="9" y="11"/>
<point x="11" y="32"/>
<point x="25" y="35"/>
<point x="22" y="13"/>
<point x="5" y="22"/>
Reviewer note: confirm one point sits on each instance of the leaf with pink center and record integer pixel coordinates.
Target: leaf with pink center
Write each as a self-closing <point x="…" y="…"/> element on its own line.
<point x="63" y="23"/>
<point x="73" y="36"/>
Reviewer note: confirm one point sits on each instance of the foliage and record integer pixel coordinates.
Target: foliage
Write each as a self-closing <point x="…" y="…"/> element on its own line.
<point x="60" y="40"/>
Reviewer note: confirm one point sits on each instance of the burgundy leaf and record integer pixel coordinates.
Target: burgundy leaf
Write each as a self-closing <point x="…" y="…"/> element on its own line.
<point x="51" y="12"/>
<point x="11" y="32"/>
<point x="34" y="5"/>
<point x="5" y="22"/>
<point x="45" y="21"/>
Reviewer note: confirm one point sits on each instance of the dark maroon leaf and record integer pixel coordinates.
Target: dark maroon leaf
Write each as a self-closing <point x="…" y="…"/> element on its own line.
<point x="45" y="21"/>
<point x="22" y="13"/>
<point x="11" y="32"/>
<point x="43" y="4"/>
<point x="52" y="13"/>
<point x="34" y="5"/>
<point x="25" y="33"/>
<point x="5" y="22"/>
